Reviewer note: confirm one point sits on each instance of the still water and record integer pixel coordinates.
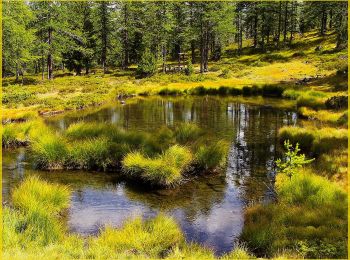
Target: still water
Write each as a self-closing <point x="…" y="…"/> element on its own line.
<point x="209" y="209"/>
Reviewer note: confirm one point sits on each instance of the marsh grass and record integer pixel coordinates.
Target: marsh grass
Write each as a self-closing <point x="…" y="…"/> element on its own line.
<point x="49" y="152"/>
<point x="14" y="135"/>
<point x="151" y="238"/>
<point x="165" y="169"/>
<point x="211" y="156"/>
<point x="187" y="132"/>
<point x="317" y="141"/>
<point x="310" y="216"/>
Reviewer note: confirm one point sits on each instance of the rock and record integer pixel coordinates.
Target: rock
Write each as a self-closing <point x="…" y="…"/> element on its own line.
<point x="337" y="102"/>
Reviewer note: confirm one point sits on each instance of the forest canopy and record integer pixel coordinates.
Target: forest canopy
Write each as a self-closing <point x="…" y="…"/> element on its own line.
<point x="43" y="36"/>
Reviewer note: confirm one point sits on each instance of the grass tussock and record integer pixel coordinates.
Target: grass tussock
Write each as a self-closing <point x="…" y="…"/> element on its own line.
<point x="211" y="156"/>
<point x="187" y="132"/>
<point x="32" y="229"/>
<point x="151" y="238"/>
<point x="324" y="116"/>
<point x="310" y="218"/>
<point x="317" y="141"/>
<point x="165" y="169"/>
<point x="33" y="220"/>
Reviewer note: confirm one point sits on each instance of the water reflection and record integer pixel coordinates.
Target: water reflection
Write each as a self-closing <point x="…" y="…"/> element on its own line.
<point x="209" y="208"/>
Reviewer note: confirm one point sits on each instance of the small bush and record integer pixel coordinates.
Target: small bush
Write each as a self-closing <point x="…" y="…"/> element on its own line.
<point x="200" y="91"/>
<point x="147" y="65"/>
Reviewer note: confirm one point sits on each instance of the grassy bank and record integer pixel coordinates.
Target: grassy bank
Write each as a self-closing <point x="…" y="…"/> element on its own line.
<point x="33" y="228"/>
<point x="164" y="158"/>
<point x="309" y="219"/>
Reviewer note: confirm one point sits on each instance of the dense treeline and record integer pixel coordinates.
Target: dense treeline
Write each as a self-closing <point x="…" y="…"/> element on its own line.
<point x="41" y="37"/>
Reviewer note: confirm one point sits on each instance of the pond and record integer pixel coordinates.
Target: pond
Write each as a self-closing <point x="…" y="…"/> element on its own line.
<point x="209" y="209"/>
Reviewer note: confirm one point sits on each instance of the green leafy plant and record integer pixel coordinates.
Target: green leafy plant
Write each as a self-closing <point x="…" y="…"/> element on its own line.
<point x="291" y="161"/>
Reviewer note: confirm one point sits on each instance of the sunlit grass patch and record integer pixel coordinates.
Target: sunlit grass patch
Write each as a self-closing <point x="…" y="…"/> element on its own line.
<point x="33" y="220"/>
<point x="152" y="238"/>
<point x="85" y="130"/>
<point x="322" y="115"/>
<point x="34" y="193"/>
<point x="187" y="132"/>
<point x="165" y="169"/>
<point x="49" y="152"/>
<point x="94" y="153"/>
<point x="317" y="141"/>
<point x="310" y="217"/>
<point x="15" y="134"/>
<point x="212" y="155"/>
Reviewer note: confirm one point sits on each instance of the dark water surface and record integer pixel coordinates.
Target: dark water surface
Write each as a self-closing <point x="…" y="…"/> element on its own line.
<point x="209" y="208"/>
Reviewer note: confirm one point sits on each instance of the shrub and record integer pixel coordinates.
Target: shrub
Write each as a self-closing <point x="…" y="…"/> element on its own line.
<point x="165" y="169"/>
<point x="291" y="161"/>
<point x="189" y="68"/>
<point x="187" y="132"/>
<point x="214" y="155"/>
<point x="151" y="238"/>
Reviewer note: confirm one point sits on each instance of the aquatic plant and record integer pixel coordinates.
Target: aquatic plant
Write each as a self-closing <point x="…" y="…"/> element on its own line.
<point x="164" y="169"/>
<point x="187" y="132"/>
<point x="212" y="156"/>
<point x="310" y="215"/>
<point x="94" y="153"/>
<point x="49" y="152"/>
<point x="317" y="141"/>
<point x="150" y="238"/>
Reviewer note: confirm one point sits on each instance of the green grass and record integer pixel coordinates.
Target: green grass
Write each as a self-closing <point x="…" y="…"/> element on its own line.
<point x="211" y="156"/>
<point x="14" y="135"/>
<point x="310" y="218"/>
<point x="94" y="153"/>
<point x="34" y="221"/>
<point x="317" y="141"/>
<point x="151" y="238"/>
<point x="187" y="132"/>
<point x="165" y="169"/>
<point x="33" y="229"/>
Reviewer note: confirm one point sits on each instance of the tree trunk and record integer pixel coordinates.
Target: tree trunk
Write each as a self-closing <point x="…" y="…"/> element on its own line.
<point x="126" y="38"/>
<point x="255" y="32"/>
<point x="285" y="22"/>
<point x="193" y="52"/>
<point x="42" y="66"/>
<point x="330" y="19"/>
<point x="279" y="24"/>
<point x="49" y="57"/>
